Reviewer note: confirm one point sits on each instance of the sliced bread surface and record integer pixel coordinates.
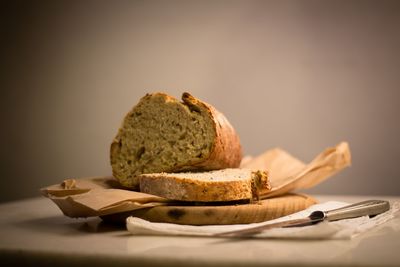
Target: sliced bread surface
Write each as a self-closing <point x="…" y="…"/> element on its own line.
<point x="222" y="185"/>
<point x="162" y="134"/>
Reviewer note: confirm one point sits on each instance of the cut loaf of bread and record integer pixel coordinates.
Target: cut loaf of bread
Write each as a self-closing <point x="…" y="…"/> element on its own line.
<point x="220" y="185"/>
<point x="162" y="134"/>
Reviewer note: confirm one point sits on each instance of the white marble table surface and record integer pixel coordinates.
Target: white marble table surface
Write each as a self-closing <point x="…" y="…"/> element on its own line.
<point x="34" y="232"/>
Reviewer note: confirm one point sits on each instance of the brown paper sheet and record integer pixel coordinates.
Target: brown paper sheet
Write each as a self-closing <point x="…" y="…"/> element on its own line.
<point x="289" y="174"/>
<point x="99" y="196"/>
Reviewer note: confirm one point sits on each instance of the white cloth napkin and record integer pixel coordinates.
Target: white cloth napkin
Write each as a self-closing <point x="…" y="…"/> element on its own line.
<point x="343" y="229"/>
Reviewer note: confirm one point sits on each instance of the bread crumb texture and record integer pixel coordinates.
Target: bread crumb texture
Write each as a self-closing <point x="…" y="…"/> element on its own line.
<point x="162" y="134"/>
<point x="221" y="185"/>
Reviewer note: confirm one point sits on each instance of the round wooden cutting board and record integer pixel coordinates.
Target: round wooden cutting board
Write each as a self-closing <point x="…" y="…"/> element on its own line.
<point x="264" y="210"/>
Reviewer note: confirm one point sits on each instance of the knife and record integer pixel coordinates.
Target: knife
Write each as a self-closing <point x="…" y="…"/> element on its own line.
<point x="364" y="208"/>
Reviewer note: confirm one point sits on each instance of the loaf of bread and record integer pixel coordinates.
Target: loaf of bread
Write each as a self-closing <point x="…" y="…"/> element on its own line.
<point x="162" y="134"/>
<point x="221" y="185"/>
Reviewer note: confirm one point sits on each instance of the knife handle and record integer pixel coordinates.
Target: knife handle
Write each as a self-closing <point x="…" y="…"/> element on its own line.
<point x="364" y="208"/>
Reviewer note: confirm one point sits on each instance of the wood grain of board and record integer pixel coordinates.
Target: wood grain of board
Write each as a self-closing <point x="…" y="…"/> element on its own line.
<point x="264" y="210"/>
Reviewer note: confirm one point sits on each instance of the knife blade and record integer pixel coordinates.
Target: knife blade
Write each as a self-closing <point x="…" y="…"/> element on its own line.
<point x="364" y="208"/>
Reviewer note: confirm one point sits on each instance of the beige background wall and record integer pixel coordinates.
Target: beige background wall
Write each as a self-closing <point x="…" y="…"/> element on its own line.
<point x="301" y="75"/>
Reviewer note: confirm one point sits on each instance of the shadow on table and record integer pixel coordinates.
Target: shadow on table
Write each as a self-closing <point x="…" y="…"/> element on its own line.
<point x="68" y="226"/>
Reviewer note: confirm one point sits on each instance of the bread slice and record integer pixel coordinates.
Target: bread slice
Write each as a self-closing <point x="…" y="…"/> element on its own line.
<point x="162" y="134"/>
<point x="220" y="185"/>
